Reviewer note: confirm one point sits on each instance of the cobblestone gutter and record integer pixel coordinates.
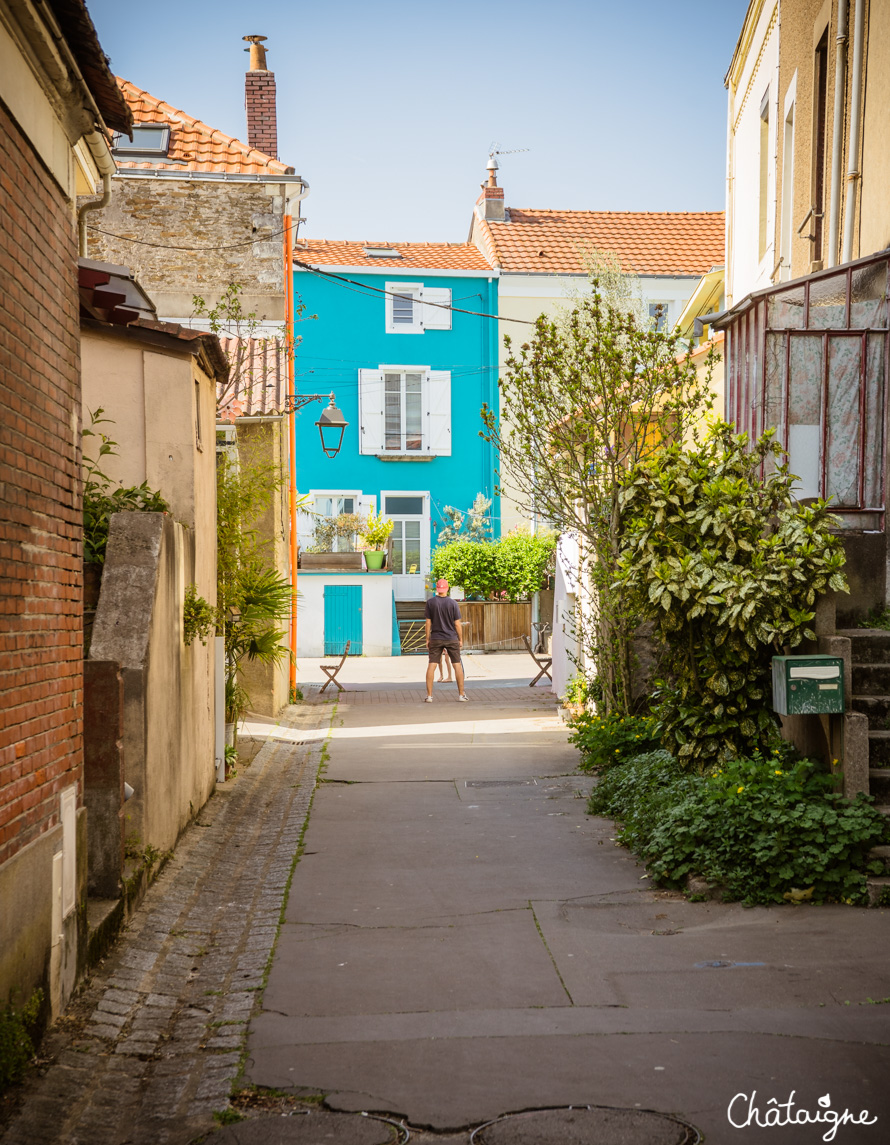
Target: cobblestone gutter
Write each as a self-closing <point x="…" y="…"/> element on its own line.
<point x="150" y="1048"/>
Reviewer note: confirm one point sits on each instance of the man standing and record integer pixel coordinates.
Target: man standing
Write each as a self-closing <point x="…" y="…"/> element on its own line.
<point x="443" y="634"/>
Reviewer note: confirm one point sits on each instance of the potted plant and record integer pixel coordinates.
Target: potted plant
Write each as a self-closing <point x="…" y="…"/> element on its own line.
<point x="333" y="544"/>
<point x="376" y="533"/>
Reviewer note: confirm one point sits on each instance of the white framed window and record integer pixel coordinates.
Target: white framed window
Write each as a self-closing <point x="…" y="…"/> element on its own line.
<point x="412" y="308"/>
<point x="405" y="411"/>
<point x="330" y="503"/>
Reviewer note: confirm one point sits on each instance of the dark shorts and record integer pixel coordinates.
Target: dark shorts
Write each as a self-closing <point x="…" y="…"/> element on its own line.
<point x="437" y="647"/>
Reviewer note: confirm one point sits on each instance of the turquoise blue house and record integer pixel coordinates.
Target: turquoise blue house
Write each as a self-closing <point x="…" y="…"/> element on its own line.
<point x="410" y="375"/>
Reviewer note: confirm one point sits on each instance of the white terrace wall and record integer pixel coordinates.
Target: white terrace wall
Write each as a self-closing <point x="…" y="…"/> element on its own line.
<point x="168" y="687"/>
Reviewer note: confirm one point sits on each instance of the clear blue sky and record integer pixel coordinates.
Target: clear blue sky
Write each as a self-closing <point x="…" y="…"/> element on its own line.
<point x="388" y="107"/>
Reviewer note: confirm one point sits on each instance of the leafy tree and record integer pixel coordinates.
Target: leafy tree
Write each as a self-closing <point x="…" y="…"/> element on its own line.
<point x="476" y="519"/>
<point x="729" y="567"/>
<point x="588" y="397"/>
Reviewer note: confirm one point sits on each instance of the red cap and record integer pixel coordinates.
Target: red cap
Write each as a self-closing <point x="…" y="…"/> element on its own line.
<point x="441" y="584"/>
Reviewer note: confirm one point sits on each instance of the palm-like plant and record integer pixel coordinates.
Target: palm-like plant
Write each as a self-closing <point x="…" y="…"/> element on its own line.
<point x="258" y="600"/>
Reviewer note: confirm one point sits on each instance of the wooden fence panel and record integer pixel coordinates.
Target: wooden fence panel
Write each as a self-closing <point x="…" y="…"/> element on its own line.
<point x="496" y="626"/>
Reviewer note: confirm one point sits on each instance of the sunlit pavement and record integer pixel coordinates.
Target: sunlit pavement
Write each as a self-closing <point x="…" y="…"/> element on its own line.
<point x="462" y="940"/>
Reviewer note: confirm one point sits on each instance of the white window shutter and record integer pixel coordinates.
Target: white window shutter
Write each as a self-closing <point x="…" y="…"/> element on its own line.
<point x="439" y="412"/>
<point x="370" y="408"/>
<point x="434" y="317"/>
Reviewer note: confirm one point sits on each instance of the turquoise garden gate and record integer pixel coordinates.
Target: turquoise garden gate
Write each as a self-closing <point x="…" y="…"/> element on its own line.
<point x="342" y="619"/>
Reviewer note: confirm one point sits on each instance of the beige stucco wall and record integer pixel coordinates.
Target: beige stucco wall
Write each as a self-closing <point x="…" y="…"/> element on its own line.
<point x="265" y="439"/>
<point x="802" y="23"/>
<point x="874" y="233"/>
<point x="197" y="213"/>
<point x="156" y="401"/>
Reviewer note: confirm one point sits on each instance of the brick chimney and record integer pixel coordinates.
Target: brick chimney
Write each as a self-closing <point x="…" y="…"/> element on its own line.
<point x="491" y="201"/>
<point x="259" y="99"/>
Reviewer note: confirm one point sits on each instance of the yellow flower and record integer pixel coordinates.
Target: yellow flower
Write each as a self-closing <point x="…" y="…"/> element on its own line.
<point x="778" y="773"/>
<point x="617" y="751"/>
<point x="775" y="751"/>
<point x="739" y="790"/>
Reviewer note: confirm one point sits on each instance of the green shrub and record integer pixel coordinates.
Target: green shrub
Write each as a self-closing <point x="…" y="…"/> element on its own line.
<point x="17" y="1027"/>
<point x="606" y="740"/>
<point x="577" y="690"/>
<point x="760" y="828"/>
<point x="101" y="498"/>
<point x="729" y="566"/>
<point x="198" y="617"/>
<point x="516" y="566"/>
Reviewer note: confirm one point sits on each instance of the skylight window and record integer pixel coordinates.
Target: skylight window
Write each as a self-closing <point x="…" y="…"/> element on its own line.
<point x="381" y="252"/>
<point x="150" y="140"/>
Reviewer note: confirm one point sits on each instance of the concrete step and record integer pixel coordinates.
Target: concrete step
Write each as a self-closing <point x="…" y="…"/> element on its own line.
<point x="879" y="783"/>
<point x="870" y="645"/>
<point x="882" y="853"/>
<point x="877" y="708"/>
<point x="878" y="890"/>
<point x="871" y="679"/>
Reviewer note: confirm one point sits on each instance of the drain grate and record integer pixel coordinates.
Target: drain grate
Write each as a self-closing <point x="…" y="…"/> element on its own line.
<point x="501" y="783"/>
<point x="585" y="1125"/>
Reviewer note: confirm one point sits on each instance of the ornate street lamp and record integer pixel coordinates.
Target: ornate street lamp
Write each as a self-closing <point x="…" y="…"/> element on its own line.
<point x="331" y="423"/>
<point x="331" y="427"/>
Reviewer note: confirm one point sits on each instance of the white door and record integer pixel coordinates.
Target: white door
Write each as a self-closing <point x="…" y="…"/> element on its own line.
<point x="409" y="513"/>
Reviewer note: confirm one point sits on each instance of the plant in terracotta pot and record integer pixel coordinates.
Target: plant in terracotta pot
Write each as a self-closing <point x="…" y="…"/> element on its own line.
<point x="375" y="534"/>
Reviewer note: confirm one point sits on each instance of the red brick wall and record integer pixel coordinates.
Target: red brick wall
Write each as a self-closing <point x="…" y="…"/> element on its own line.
<point x="262" y="121"/>
<point x="41" y="750"/>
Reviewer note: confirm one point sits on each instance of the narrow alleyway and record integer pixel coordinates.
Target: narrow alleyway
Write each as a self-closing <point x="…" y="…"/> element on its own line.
<point x="460" y="942"/>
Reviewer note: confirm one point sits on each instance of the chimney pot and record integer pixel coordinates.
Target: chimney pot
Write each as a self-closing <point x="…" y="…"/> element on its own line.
<point x="257" y="53"/>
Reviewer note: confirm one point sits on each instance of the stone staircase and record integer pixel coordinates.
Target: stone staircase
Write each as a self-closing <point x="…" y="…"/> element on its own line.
<point x="870" y="649"/>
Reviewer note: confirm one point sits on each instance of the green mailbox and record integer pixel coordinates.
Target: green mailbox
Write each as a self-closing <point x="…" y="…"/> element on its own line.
<point x="808" y="685"/>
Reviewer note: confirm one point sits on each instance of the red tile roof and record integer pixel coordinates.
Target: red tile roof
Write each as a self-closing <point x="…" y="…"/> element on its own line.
<point x="194" y="146"/>
<point x="646" y="242"/>
<point x="414" y="256"/>
<point x="257" y="381"/>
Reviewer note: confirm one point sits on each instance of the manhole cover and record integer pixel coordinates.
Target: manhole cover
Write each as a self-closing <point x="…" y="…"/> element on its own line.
<point x="317" y="1127"/>
<point x="587" y="1125"/>
<point x="501" y="783"/>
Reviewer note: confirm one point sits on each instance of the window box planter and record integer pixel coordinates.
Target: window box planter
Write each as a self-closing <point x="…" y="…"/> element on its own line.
<point x="342" y="561"/>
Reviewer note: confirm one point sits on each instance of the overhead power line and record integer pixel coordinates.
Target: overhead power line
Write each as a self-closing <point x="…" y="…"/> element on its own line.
<point x="339" y="278"/>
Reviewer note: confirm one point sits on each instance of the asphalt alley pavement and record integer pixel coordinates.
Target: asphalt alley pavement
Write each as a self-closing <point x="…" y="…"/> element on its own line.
<point x="462" y="941"/>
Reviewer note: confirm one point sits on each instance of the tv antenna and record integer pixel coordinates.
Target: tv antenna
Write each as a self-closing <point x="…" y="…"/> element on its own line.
<point x="495" y="149"/>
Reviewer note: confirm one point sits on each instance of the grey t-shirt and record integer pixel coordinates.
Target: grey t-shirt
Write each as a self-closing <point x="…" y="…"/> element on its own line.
<point x="442" y="611"/>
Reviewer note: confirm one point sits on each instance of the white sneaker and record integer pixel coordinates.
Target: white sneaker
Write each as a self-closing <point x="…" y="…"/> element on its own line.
<point x="461" y="699"/>
<point x="428" y="700"/>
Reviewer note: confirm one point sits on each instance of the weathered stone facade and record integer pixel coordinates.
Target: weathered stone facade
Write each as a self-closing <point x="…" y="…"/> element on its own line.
<point x="242" y="220"/>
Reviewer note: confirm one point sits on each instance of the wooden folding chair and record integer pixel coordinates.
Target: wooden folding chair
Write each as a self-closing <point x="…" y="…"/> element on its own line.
<point x="542" y="662"/>
<point x="331" y="670"/>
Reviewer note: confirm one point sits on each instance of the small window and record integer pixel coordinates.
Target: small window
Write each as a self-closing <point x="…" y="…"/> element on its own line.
<point x="381" y="252"/>
<point x="149" y="141"/>
<point x="403" y="506"/>
<point x="403" y="308"/>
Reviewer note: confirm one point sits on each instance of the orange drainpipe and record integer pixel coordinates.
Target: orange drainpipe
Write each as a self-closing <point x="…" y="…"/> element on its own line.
<point x="292" y="446"/>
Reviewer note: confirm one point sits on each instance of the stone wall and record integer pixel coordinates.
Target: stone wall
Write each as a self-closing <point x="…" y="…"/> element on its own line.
<point x="196" y="213"/>
<point x="168" y="727"/>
